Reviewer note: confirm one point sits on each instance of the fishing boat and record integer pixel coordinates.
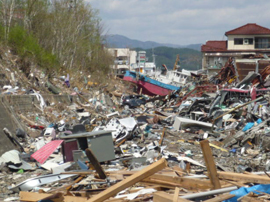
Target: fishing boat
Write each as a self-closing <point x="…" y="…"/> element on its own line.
<point x="174" y="77"/>
<point x="148" y="85"/>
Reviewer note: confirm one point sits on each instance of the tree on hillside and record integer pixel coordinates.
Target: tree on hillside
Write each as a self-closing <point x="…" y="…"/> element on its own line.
<point x="70" y="30"/>
<point x="7" y="13"/>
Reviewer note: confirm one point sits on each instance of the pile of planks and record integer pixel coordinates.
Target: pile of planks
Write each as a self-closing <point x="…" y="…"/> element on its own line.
<point x="156" y="182"/>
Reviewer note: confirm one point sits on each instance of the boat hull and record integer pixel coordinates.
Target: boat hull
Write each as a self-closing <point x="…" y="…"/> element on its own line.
<point x="149" y="86"/>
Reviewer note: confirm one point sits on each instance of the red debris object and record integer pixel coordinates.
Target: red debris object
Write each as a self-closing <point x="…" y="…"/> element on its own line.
<point x="37" y="127"/>
<point x="44" y="152"/>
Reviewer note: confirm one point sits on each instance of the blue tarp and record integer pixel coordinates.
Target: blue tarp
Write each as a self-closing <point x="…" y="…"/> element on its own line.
<point x="249" y="125"/>
<point x="245" y="190"/>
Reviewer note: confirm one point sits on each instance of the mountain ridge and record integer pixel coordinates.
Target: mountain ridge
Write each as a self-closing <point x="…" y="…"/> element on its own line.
<point x="120" y="41"/>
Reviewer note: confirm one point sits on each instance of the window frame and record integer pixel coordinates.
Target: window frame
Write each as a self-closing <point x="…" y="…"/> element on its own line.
<point x="238" y="41"/>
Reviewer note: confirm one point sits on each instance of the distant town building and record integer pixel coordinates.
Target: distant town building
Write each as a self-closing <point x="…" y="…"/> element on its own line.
<point x="142" y="65"/>
<point x="127" y="59"/>
<point x="243" y="43"/>
<point x="123" y="58"/>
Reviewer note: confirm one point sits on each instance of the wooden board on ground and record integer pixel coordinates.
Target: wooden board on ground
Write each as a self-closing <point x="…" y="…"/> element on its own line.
<point x="210" y="164"/>
<point x="161" y="196"/>
<point x="129" y="181"/>
<point x="187" y="183"/>
<point x="244" y="178"/>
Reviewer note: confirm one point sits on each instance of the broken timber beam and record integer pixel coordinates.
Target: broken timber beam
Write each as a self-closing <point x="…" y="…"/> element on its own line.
<point x="27" y="120"/>
<point x="238" y="107"/>
<point x="58" y="197"/>
<point x="33" y="196"/>
<point x="161" y="196"/>
<point x="129" y="181"/>
<point x="162" y="136"/>
<point x="187" y="183"/>
<point x="176" y="194"/>
<point x="210" y="164"/>
<point x="244" y="178"/>
<point x="93" y="160"/>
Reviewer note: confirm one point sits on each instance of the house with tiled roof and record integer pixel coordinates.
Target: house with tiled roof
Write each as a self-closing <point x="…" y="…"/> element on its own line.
<point x="243" y="43"/>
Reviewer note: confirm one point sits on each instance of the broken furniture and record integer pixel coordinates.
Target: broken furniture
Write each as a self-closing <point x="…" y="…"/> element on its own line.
<point x="100" y="142"/>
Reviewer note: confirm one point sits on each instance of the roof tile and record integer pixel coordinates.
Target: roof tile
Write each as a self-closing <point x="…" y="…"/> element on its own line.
<point x="212" y="46"/>
<point x="249" y="29"/>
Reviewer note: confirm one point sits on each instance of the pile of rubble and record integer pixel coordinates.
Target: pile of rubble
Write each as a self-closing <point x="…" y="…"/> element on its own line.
<point x="86" y="142"/>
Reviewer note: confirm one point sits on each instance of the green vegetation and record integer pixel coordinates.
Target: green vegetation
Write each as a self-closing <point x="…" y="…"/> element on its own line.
<point x="55" y="34"/>
<point x="189" y="59"/>
<point x="26" y="45"/>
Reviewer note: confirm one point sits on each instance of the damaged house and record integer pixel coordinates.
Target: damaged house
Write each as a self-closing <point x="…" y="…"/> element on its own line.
<point x="249" y="45"/>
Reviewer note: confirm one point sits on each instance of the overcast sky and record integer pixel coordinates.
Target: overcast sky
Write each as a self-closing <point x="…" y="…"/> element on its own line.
<point x="180" y="22"/>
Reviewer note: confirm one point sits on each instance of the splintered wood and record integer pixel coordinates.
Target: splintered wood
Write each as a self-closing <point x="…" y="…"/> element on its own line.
<point x="210" y="164"/>
<point x="156" y="182"/>
<point x="140" y="175"/>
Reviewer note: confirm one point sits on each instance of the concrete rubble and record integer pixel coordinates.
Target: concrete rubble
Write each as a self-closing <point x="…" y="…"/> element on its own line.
<point x="68" y="141"/>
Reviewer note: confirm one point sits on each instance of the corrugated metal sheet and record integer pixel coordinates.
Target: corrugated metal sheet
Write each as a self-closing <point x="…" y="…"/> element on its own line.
<point x="43" y="154"/>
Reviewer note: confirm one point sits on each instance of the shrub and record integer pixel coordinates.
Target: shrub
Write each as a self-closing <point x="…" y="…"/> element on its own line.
<point x="26" y="45"/>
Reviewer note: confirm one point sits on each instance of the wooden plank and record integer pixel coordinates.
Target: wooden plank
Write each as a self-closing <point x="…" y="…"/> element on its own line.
<point x="27" y="120"/>
<point x="129" y="181"/>
<point x="121" y="142"/>
<point x="161" y="196"/>
<point x="162" y="136"/>
<point x="76" y="181"/>
<point x="220" y="198"/>
<point x="238" y="183"/>
<point x="187" y="183"/>
<point x="176" y="194"/>
<point x="179" y="171"/>
<point x="162" y="186"/>
<point x="244" y="177"/>
<point x="128" y="173"/>
<point x="92" y="158"/>
<point x="33" y="196"/>
<point x="188" y="167"/>
<point x="210" y="164"/>
<point x="238" y="107"/>
<point x="74" y="199"/>
<point x="251" y="199"/>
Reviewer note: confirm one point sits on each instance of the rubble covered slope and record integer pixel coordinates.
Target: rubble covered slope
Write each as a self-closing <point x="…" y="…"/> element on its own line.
<point x="69" y="137"/>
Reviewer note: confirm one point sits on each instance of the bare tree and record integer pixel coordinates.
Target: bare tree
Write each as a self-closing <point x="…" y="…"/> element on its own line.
<point x="7" y="8"/>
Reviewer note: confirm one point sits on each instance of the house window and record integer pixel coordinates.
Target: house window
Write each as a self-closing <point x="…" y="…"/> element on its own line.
<point x="248" y="41"/>
<point x="262" y="42"/>
<point x="238" y="41"/>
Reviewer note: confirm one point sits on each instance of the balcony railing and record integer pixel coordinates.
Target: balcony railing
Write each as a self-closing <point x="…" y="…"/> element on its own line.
<point x="121" y="62"/>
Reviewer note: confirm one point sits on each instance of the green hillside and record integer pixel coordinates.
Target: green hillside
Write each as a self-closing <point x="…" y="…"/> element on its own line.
<point x="189" y="59"/>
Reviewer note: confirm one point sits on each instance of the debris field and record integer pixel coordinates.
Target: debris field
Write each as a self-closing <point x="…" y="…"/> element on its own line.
<point x="67" y="138"/>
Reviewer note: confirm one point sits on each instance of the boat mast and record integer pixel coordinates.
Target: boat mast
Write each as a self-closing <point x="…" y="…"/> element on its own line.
<point x="154" y="57"/>
<point x="176" y="67"/>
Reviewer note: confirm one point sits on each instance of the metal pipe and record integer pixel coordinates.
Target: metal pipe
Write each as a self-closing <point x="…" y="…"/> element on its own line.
<point x="208" y="193"/>
<point x="196" y="176"/>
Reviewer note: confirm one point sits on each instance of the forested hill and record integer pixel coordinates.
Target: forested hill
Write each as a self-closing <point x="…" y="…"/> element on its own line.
<point x="189" y="59"/>
<point x="120" y="41"/>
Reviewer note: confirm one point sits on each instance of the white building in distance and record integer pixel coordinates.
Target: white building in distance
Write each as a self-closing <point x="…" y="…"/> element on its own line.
<point x="123" y="58"/>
